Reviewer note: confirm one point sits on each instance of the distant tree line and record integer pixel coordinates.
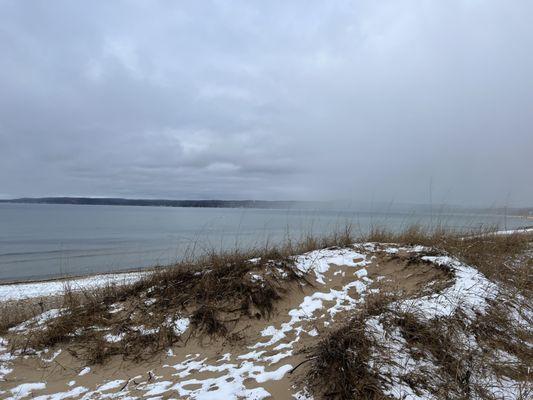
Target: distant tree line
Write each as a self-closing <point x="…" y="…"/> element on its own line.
<point x="406" y="208"/>
<point x="156" y="203"/>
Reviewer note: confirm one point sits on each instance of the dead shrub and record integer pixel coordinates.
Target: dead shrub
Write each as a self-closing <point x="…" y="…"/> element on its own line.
<point x="215" y="291"/>
<point x="441" y="338"/>
<point x="340" y="362"/>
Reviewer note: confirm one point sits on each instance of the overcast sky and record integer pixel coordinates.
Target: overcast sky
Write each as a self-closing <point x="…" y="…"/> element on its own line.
<point x="363" y="100"/>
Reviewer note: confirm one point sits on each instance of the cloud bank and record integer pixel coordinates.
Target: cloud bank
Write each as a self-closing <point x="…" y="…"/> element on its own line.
<point x="362" y="100"/>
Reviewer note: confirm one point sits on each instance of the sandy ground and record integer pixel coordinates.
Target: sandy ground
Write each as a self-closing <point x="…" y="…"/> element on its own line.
<point x="262" y="364"/>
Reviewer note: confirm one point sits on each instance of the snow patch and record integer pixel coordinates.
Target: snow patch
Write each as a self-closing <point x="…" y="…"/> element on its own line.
<point x="114" y="338"/>
<point x="469" y="291"/>
<point x="26" y="389"/>
<point x="319" y="261"/>
<point x="179" y="325"/>
<point x="38" y="320"/>
<point x="111" y="385"/>
<point x="20" y="291"/>
<point x="229" y="385"/>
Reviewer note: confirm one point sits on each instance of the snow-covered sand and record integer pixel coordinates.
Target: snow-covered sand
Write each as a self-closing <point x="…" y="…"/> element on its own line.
<point x="20" y="291"/>
<point x="260" y="369"/>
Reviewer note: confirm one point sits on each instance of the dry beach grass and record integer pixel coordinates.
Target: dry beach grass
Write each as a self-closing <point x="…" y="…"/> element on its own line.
<point x="225" y="298"/>
<point x="341" y="366"/>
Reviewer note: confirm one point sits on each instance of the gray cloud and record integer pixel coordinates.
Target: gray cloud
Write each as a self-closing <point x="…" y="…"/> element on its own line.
<point x="343" y="99"/>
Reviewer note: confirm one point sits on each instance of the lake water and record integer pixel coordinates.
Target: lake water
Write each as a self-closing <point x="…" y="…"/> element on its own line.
<point x="42" y="241"/>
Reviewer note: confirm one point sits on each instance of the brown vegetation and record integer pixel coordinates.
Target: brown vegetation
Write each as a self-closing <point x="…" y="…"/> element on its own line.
<point x="215" y="292"/>
<point x="340" y="362"/>
<point x="221" y="290"/>
<point x="345" y="364"/>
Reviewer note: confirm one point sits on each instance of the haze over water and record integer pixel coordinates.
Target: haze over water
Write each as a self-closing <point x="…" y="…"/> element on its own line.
<point x="42" y="241"/>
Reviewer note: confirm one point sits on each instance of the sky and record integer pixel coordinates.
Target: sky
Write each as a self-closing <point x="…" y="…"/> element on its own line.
<point x="393" y="100"/>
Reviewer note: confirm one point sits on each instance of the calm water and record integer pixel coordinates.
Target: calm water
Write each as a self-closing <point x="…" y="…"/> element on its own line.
<point x="41" y="241"/>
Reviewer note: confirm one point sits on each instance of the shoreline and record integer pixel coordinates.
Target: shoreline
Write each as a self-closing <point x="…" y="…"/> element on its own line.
<point x="48" y="288"/>
<point x="145" y="270"/>
<point x="81" y="276"/>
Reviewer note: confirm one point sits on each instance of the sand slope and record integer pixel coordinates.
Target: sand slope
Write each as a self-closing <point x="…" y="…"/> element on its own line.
<point x="266" y="361"/>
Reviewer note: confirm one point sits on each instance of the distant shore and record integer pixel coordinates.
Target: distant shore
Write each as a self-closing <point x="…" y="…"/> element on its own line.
<point x="159" y="202"/>
<point x="511" y="212"/>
